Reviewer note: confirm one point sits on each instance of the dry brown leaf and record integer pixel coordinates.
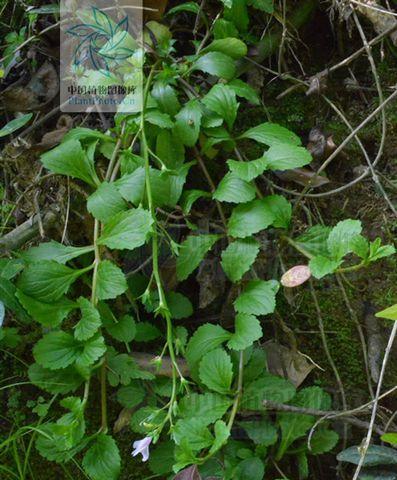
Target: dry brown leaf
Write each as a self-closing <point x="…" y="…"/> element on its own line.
<point x="303" y="176"/>
<point x="211" y="279"/>
<point x="190" y="473"/>
<point x="286" y="363"/>
<point x="53" y="138"/>
<point x="42" y="88"/>
<point x="381" y="21"/>
<point x="123" y="420"/>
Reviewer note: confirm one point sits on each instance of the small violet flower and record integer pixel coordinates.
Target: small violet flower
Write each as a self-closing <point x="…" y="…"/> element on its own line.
<point x="142" y="446"/>
<point x="296" y="276"/>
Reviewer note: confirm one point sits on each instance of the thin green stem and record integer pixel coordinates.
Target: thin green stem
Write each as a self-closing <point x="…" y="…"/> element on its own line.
<point x="163" y="307"/>
<point x="239" y="392"/>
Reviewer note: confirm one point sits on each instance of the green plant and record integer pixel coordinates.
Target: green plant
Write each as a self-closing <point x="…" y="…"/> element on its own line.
<point x="93" y="313"/>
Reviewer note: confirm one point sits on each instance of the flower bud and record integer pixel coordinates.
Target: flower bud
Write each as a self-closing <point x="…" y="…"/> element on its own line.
<point x="296" y="276"/>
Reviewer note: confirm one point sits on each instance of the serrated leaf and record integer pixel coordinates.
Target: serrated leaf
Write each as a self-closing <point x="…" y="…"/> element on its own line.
<point x="285" y="156"/>
<point x="111" y="281"/>
<point x="161" y="458"/>
<point x="258" y="297"/>
<point x="131" y="395"/>
<point x="256" y="365"/>
<point x="168" y="186"/>
<point x="188" y="122"/>
<point x="314" y="241"/>
<point x="251" y="468"/>
<point x="127" y="230"/>
<point x="360" y="246"/>
<point x="268" y="387"/>
<point x="234" y="190"/>
<point x="10" y="267"/>
<point x="271" y="134"/>
<point x="207" y="406"/>
<point x="248" y="170"/>
<point x="206" y="338"/>
<point x="91" y="351"/>
<point x="232" y="47"/>
<point x="124" y="330"/>
<point x="247" y="330"/>
<point x="179" y="305"/>
<point x="90" y="320"/>
<point x="321" y="266"/>
<point x="222" y="433"/>
<point x="191" y="253"/>
<point x="293" y="425"/>
<point x="69" y="158"/>
<point x="106" y="202"/>
<point x="102" y="460"/>
<point x="56" y="350"/>
<point x="62" y="381"/>
<point x="238" y="258"/>
<point x="166" y="97"/>
<point x="216" y="371"/>
<point x="8" y="298"/>
<point x="376" y="250"/>
<point x="281" y="210"/>
<point x="54" y="251"/>
<point x="55" y="446"/>
<point x="261" y="432"/>
<point x="162" y="120"/>
<point x="216" y="63"/>
<point x="249" y="218"/>
<point x="222" y="100"/>
<point x="323" y="441"/>
<point x="244" y="90"/>
<point x="123" y="369"/>
<point x="48" y="280"/>
<point x="193" y="430"/>
<point x="48" y="314"/>
<point x="340" y="239"/>
<point x="146" y="332"/>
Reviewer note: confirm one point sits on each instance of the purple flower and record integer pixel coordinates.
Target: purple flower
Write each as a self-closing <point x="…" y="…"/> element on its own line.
<point x="142" y="446"/>
<point x="296" y="276"/>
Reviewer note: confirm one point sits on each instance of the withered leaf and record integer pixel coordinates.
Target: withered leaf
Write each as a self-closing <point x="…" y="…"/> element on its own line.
<point x="303" y="176"/>
<point x="190" y="473"/>
<point x="211" y="279"/>
<point x="53" y="138"/>
<point x="123" y="420"/>
<point x="286" y="363"/>
<point x="42" y="88"/>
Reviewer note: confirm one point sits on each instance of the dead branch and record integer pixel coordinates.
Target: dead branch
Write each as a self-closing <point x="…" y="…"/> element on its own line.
<point x="27" y="231"/>
<point x="327" y="415"/>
